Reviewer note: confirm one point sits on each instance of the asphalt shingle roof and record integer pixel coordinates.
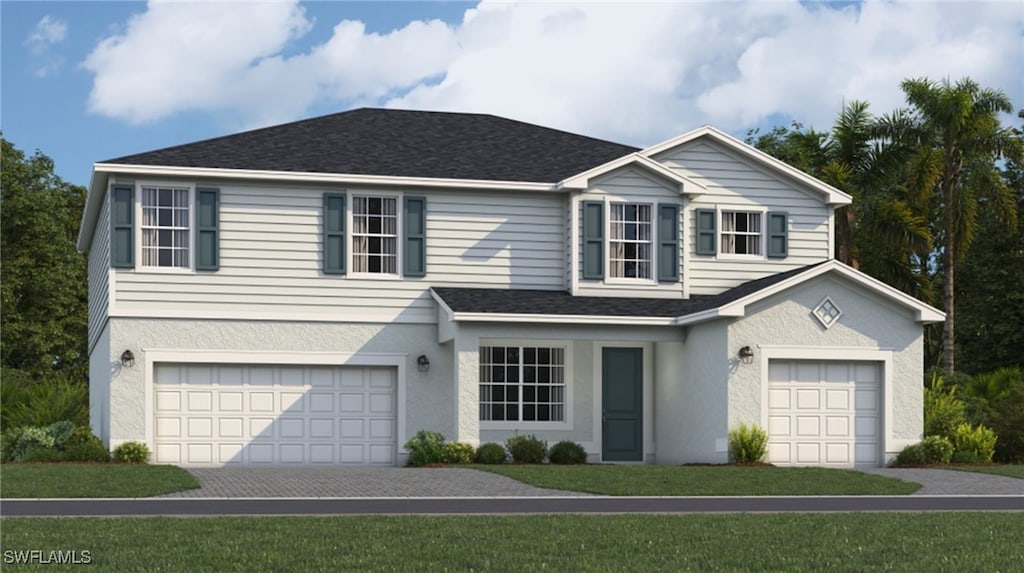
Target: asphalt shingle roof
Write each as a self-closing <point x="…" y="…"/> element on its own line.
<point x="515" y="301"/>
<point x="370" y="141"/>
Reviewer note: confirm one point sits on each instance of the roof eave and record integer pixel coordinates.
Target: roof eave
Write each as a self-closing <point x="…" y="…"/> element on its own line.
<point x="314" y="177"/>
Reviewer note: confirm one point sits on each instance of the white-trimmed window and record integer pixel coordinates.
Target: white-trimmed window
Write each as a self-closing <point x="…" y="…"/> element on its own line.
<point x="630" y="243"/>
<point x="742" y="233"/>
<point x="166" y="226"/>
<point x="375" y="234"/>
<point x="522" y="384"/>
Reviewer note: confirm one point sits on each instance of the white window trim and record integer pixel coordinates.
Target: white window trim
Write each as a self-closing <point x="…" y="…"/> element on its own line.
<point x="610" y="280"/>
<point x="567" y="350"/>
<point x="139" y="267"/>
<point x="719" y="213"/>
<point x="399" y="228"/>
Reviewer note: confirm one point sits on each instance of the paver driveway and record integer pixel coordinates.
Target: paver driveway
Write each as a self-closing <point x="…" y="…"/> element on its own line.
<point x="357" y="482"/>
<point x="952" y="482"/>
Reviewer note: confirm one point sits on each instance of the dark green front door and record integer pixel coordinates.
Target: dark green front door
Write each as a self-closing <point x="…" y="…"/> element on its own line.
<point x="622" y="373"/>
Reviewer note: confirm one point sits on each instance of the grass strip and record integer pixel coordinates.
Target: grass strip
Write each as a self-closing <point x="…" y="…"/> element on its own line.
<point x="91" y="480"/>
<point x="737" y="542"/>
<point x="610" y="479"/>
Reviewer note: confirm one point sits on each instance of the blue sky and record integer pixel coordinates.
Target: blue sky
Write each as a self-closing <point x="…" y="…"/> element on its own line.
<point x="88" y="81"/>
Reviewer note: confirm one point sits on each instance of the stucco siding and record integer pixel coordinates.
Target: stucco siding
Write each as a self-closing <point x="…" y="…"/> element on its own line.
<point x="429" y="395"/>
<point x="101" y="363"/>
<point x="867" y="323"/>
<point x="271" y="251"/>
<point x="733" y="182"/>
<point x="702" y="406"/>
<point x="99" y="275"/>
<point x="630" y="184"/>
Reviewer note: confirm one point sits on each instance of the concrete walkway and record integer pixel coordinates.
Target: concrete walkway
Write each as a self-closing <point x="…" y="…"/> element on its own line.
<point x="358" y="482"/>
<point x="952" y="482"/>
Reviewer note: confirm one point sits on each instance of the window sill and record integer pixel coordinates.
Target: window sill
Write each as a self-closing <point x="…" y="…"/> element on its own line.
<point x="374" y="276"/>
<point x="161" y="270"/>
<point x="728" y="257"/>
<point x="630" y="282"/>
<point x="538" y="426"/>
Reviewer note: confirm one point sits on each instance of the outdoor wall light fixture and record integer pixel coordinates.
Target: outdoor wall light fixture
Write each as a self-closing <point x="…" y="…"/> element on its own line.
<point x="747" y="354"/>
<point x="423" y="363"/>
<point x="127" y="359"/>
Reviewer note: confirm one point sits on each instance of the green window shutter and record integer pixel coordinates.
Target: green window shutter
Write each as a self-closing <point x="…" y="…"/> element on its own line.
<point x="668" y="243"/>
<point x="778" y="235"/>
<point x="334" y="233"/>
<point x="593" y="240"/>
<point x="706" y="231"/>
<point x="207" y="229"/>
<point x="122" y="226"/>
<point x="415" y="253"/>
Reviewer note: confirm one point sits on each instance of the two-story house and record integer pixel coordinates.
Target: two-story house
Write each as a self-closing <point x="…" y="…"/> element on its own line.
<point x="316" y="292"/>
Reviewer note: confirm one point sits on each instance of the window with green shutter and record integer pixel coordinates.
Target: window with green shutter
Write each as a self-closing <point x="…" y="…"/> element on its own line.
<point x="207" y="229"/>
<point x="334" y="233"/>
<point x="707" y="236"/>
<point x="778" y="235"/>
<point x="415" y="223"/>
<point x="593" y="240"/>
<point x="668" y="242"/>
<point x="122" y="226"/>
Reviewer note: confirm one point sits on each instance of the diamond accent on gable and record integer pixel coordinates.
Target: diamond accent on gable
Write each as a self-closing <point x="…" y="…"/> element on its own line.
<point x="827" y="312"/>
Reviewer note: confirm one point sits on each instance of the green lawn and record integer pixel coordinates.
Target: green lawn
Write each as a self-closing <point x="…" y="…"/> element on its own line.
<point x="702" y="480"/>
<point x="1016" y="471"/>
<point x="739" y="542"/>
<point x="91" y="480"/>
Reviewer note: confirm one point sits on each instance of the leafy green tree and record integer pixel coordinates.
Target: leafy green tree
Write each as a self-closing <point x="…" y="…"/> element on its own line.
<point x="960" y="140"/>
<point x="44" y="292"/>
<point x="990" y="286"/>
<point x="883" y="232"/>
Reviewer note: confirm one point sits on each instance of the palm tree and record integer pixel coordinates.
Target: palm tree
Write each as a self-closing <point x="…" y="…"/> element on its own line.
<point x="960" y="139"/>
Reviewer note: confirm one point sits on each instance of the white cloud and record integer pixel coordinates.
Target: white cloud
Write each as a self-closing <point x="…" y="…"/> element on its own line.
<point x="631" y="72"/>
<point x="47" y="32"/>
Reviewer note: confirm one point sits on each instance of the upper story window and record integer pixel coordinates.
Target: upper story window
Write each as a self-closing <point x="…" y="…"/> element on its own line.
<point x="166" y="227"/>
<point x="630" y="241"/>
<point x="522" y="384"/>
<point x="374" y="234"/>
<point x="742" y="233"/>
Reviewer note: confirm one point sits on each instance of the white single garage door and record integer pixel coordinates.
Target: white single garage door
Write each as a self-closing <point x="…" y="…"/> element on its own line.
<point x="824" y="413"/>
<point x="210" y="414"/>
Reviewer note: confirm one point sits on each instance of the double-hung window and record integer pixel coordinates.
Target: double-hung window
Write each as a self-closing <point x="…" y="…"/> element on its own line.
<point x="166" y="227"/>
<point x="374" y="234"/>
<point x="630" y="243"/>
<point x="742" y="233"/>
<point x="522" y="384"/>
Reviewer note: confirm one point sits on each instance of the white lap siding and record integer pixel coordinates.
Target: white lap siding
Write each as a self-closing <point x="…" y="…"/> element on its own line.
<point x="271" y="252"/>
<point x="735" y="183"/>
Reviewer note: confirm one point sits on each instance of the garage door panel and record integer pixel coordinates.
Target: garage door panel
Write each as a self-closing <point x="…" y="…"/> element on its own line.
<point x="274" y="415"/>
<point x="837" y="426"/>
<point x="823" y="413"/>
<point x="230" y="401"/>
<point x="808" y="453"/>
<point x="200" y="428"/>
<point x="808" y="399"/>
<point x="808" y="426"/>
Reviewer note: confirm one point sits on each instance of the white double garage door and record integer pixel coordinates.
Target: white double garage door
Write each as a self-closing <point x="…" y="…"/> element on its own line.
<point x="214" y="415"/>
<point x="824" y="413"/>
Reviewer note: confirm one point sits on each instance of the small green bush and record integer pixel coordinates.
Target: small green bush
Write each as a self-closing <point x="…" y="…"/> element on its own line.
<point x="42" y="403"/>
<point x="976" y="442"/>
<point x="931" y="450"/>
<point x="131" y="453"/>
<point x="44" y="455"/>
<point x="943" y="409"/>
<point x="425" y="448"/>
<point x="92" y="451"/>
<point x="458" y="453"/>
<point x="61" y="431"/>
<point x="566" y="452"/>
<point x="490" y="453"/>
<point x="748" y="444"/>
<point x="29" y="442"/>
<point x="527" y="449"/>
<point x="1007" y="421"/>
<point x="8" y="441"/>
